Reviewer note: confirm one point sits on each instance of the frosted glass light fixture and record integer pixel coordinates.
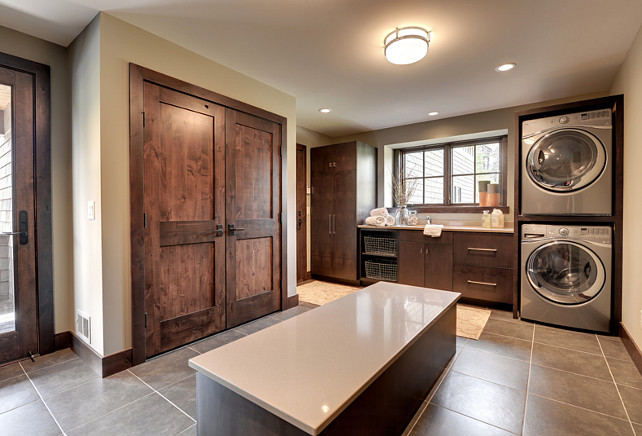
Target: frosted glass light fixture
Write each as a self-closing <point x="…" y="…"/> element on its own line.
<point x="406" y="45"/>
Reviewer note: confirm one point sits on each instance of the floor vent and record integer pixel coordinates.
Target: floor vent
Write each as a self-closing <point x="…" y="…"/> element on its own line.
<point x="83" y="326"/>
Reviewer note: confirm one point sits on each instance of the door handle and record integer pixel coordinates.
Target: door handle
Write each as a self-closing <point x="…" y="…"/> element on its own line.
<point x="486" y="250"/>
<point x="329" y="224"/>
<point x="474" y="282"/>
<point x="219" y="230"/>
<point x="23" y="228"/>
<point x="334" y="224"/>
<point x="231" y="229"/>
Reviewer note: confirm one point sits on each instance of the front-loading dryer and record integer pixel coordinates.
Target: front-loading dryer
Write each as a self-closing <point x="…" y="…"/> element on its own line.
<point x="566" y="275"/>
<point x="566" y="164"/>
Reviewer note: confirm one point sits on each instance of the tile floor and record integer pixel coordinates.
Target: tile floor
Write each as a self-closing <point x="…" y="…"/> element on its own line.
<point x="518" y="378"/>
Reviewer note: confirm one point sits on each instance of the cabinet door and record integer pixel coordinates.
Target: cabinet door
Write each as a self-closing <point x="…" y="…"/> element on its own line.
<point x="344" y="224"/>
<point x="438" y="267"/>
<point x="410" y="267"/>
<point x="320" y="205"/>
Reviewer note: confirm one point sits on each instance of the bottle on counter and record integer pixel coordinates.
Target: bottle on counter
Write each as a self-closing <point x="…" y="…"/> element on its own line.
<point x="497" y="219"/>
<point x="486" y="219"/>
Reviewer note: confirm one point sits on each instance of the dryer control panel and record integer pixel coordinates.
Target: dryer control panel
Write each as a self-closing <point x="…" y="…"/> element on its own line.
<point x="586" y="233"/>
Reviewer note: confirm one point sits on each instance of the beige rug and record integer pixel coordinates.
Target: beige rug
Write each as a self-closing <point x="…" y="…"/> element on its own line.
<point x="471" y="320"/>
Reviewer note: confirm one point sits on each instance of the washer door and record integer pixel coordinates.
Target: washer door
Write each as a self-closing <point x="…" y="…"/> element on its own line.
<point x="565" y="272"/>
<point x="566" y="160"/>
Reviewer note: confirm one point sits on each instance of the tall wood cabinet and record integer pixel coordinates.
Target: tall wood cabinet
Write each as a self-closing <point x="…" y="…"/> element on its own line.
<point x="344" y="190"/>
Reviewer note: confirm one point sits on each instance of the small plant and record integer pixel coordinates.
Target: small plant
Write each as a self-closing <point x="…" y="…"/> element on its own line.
<point x="403" y="189"/>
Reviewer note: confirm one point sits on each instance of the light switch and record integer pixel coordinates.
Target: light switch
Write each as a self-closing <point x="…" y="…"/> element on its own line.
<point x="308" y="190"/>
<point x="91" y="210"/>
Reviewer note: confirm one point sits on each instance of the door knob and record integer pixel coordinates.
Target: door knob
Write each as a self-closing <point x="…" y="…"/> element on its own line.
<point x="231" y="229"/>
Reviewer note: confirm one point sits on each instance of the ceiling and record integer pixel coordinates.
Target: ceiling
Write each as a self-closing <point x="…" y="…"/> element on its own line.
<point x="330" y="53"/>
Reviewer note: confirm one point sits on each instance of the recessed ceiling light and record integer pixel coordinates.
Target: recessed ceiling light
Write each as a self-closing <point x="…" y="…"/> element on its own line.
<point x="325" y="110"/>
<point x="432" y="114"/>
<point x="505" y="67"/>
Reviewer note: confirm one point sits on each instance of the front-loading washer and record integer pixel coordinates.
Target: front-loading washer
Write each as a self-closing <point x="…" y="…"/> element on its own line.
<point x="566" y="275"/>
<point x="566" y="164"/>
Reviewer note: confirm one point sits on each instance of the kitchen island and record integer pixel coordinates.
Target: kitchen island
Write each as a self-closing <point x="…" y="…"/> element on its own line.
<point x="362" y="364"/>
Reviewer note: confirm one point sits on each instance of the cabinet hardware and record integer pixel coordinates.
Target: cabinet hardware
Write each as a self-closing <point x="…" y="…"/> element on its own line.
<point x="231" y="229"/>
<point x="334" y="224"/>
<point x="488" y="250"/>
<point x="23" y="228"/>
<point x="219" y="230"/>
<point x="473" y="282"/>
<point x="329" y="224"/>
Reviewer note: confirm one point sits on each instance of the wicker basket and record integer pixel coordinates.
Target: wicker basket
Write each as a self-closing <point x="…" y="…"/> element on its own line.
<point x="381" y="270"/>
<point x="379" y="245"/>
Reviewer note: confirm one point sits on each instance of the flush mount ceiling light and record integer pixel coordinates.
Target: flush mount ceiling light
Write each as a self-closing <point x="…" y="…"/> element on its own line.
<point x="505" y="67"/>
<point x="325" y="110"/>
<point x="406" y="45"/>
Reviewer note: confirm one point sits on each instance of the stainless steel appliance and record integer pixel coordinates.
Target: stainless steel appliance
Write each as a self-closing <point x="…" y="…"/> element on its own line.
<point x="566" y="275"/>
<point x="566" y="164"/>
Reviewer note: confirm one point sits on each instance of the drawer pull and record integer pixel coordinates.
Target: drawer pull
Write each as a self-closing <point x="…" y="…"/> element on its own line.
<point x="489" y="250"/>
<point x="473" y="282"/>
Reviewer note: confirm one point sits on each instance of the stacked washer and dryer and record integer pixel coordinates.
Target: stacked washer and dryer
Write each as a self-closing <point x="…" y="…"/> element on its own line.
<point x="566" y="170"/>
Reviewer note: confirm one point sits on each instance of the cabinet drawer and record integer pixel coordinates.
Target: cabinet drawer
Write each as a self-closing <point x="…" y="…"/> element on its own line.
<point x="496" y="250"/>
<point x="484" y="283"/>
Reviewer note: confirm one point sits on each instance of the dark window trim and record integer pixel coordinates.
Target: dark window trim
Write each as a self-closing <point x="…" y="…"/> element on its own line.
<point x="458" y="208"/>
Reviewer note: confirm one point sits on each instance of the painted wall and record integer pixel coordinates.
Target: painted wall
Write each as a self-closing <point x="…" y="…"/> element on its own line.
<point x="121" y="43"/>
<point x="37" y="50"/>
<point x="84" y="62"/>
<point x="628" y="82"/>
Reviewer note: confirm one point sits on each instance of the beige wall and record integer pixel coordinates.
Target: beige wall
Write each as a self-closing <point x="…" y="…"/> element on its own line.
<point x="121" y="43"/>
<point x="628" y="82"/>
<point x="34" y="49"/>
<point x="84" y="61"/>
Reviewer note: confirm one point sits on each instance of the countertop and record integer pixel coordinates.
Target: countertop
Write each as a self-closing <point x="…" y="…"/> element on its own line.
<point x="307" y="369"/>
<point x="447" y="228"/>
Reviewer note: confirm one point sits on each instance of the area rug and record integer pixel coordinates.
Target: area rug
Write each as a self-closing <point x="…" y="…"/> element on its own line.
<point x="471" y="321"/>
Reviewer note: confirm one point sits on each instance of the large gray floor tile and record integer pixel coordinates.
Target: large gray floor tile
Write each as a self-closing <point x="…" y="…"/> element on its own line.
<point x="151" y="415"/>
<point x="505" y="315"/>
<point x="167" y="369"/>
<point x="437" y="421"/>
<point x="625" y="372"/>
<point x="183" y="395"/>
<point x="613" y="347"/>
<point x="95" y="398"/>
<point x="58" y="378"/>
<point x="577" y="362"/>
<point x="491" y="403"/>
<point x="586" y="342"/>
<point x="578" y="390"/>
<point x="290" y="313"/>
<point x="504" y="345"/>
<point x="493" y="367"/>
<point x="216" y="341"/>
<point x="48" y="360"/>
<point x="546" y="417"/>
<point x="30" y="419"/>
<point x="519" y="330"/>
<point x="10" y="371"/>
<point x="16" y="392"/>
<point x="633" y="402"/>
<point x="189" y="432"/>
<point x="257" y="325"/>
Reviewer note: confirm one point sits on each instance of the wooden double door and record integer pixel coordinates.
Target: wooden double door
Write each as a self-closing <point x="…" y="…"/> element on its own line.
<point x="212" y="232"/>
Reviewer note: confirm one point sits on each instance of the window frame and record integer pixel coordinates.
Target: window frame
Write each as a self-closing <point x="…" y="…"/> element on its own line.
<point x="447" y="206"/>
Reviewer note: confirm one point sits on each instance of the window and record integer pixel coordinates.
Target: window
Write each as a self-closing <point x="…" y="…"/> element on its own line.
<point x="448" y="174"/>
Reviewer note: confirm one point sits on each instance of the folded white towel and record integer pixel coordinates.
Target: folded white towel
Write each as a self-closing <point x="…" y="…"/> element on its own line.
<point x="382" y="211"/>
<point x="390" y="220"/>
<point x="378" y="221"/>
<point x="433" y="230"/>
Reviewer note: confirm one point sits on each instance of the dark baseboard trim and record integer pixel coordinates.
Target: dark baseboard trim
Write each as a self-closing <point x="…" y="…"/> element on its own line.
<point x="62" y="340"/>
<point x="336" y="280"/>
<point x="293" y="301"/>
<point x="103" y="366"/>
<point x="631" y="347"/>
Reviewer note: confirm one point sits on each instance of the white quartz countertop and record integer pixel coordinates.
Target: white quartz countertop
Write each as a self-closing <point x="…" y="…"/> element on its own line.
<point x="307" y="369"/>
<point x="447" y="228"/>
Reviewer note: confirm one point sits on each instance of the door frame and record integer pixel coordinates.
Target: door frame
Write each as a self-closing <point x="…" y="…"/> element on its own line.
<point x="137" y="77"/>
<point x="42" y="191"/>
<point x="304" y="148"/>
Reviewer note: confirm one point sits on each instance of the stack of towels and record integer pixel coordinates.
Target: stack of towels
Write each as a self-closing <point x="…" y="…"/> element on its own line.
<point x="379" y="217"/>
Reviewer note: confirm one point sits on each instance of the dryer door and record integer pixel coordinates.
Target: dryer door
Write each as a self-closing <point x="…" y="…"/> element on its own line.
<point x="565" y="272"/>
<point x="566" y="160"/>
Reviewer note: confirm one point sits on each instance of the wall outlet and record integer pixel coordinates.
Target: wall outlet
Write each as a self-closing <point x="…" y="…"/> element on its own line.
<point x="83" y="326"/>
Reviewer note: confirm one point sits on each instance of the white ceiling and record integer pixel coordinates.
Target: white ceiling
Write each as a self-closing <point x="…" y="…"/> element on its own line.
<point x="330" y="52"/>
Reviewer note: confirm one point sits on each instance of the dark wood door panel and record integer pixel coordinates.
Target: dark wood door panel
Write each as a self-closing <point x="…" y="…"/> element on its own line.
<point x="301" y="214"/>
<point x="410" y="265"/>
<point x="321" y="265"/>
<point x="184" y="201"/>
<point x="344" y="229"/>
<point x="344" y="268"/>
<point x="496" y="250"/>
<point x="438" y="262"/>
<point x="254" y="270"/>
<point x="483" y="283"/>
<point x="321" y="209"/>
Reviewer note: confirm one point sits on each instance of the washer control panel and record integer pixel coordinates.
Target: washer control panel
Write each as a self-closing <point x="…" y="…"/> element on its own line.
<point x="586" y="233"/>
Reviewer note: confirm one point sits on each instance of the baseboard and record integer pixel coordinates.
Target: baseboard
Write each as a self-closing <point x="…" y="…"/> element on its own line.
<point x="293" y="301"/>
<point x="336" y="280"/>
<point x="631" y="347"/>
<point x="103" y="366"/>
<point x="62" y="340"/>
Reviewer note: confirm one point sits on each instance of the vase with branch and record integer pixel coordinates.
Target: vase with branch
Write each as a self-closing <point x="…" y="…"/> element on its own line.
<point x="402" y="192"/>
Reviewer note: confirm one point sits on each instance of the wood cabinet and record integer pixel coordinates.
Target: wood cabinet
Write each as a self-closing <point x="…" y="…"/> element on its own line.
<point x="425" y="261"/>
<point x="482" y="267"/>
<point x="343" y="179"/>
